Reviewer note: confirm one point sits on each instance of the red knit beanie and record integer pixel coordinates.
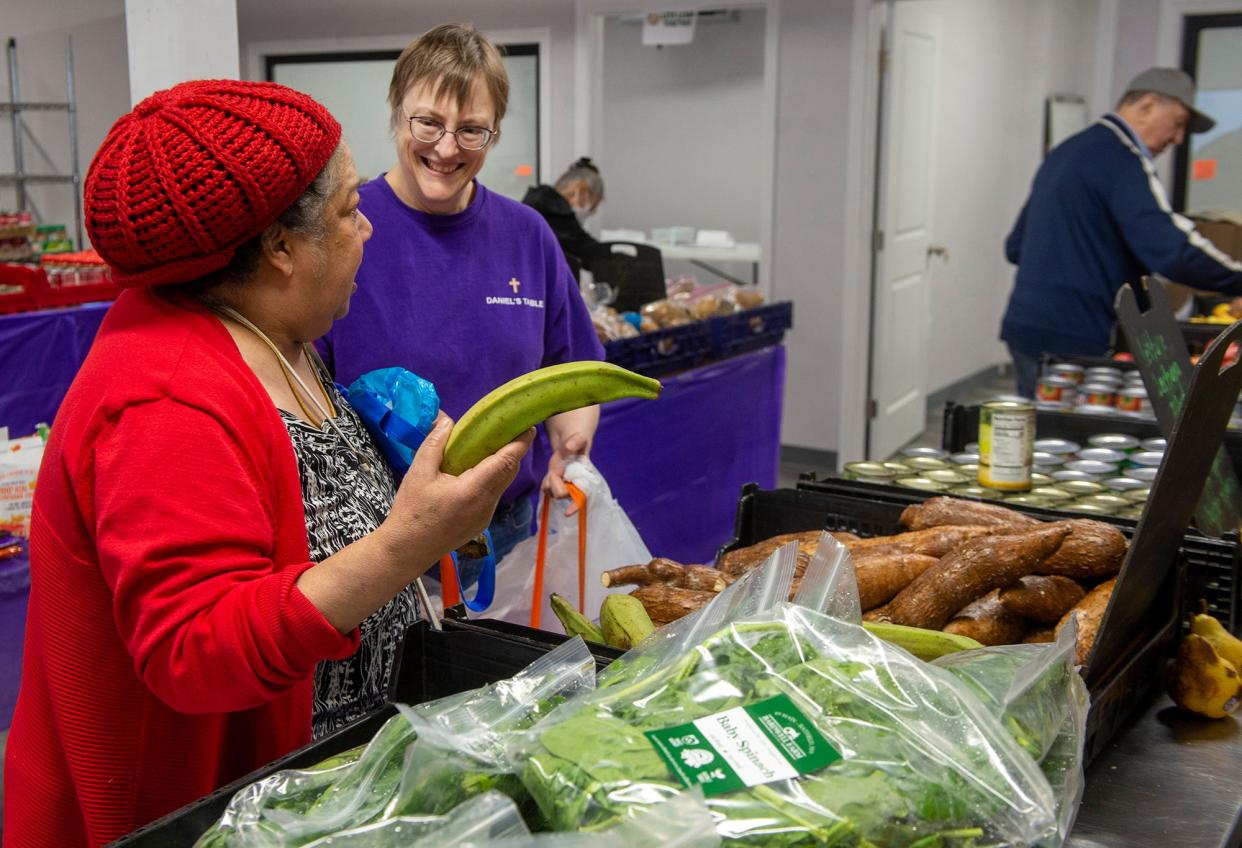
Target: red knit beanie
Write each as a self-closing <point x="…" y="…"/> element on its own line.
<point x="197" y="170"/>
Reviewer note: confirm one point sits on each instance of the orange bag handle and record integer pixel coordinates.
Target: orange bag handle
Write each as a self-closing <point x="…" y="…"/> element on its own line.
<point x="536" y="606"/>
<point x="450" y="591"/>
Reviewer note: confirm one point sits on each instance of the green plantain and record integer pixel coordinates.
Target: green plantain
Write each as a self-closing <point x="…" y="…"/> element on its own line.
<point x="507" y="412"/>
<point x="924" y="644"/>
<point x="625" y="621"/>
<point x="574" y="622"/>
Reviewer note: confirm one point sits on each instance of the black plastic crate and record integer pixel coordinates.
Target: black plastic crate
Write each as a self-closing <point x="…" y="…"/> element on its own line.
<point x="961" y="426"/>
<point x="1197" y="336"/>
<point x="663" y="351"/>
<point x="762" y="514"/>
<point x="751" y="329"/>
<point x="544" y="640"/>
<point x="432" y="664"/>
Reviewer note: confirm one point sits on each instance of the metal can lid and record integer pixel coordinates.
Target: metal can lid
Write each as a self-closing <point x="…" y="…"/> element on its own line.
<point x="937" y="453"/>
<point x="1138" y="495"/>
<point x="1100" y="387"/>
<point x="1027" y="500"/>
<point x="1116" y="441"/>
<point x="1104" y="371"/>
<point x="950" y="476"/>
<point x="1108" y="500"/>
<point x="1039" y="478"/>
<point x="1143" y="472"/>
<point x="1057" y="380"/>
<point x="1047" y="459"/>
<point x="971" y="447"/>
<point x="1156" y="444"/>
<point x="1095" y="409"/>
<point x="970" y="469"/>
<point x="925" y="463"/>
<point x="1066" y="368"/>
<point x="1054" y="406"/>
<point x="1102" y="455"/>
<point x="869" y="469"/>
<point x="1151" y="459"/>
<point x="1063" y="474"/>
<point x="1008" y="403"/>
<point x="1092" y="466"/>
<point x="1051" y="493"/>
<point x="1124" y="484"/>
<point x="897" y="467"/>
<point x="1134" y="513"/>
<point x="1133" y="392"/>
<point x="1090" y="508"/>
<point x="1081" y="488"/>
<point x="964" y="458"/>
<point x="1064" y="447"/>
<point x="922" y="483"/>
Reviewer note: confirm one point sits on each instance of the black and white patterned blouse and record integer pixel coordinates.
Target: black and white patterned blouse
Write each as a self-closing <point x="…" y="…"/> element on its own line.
<point x="345" y="500"/>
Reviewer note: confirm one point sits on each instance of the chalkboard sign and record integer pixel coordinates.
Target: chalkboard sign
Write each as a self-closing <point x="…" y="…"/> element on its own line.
<point x="1205" y="401"/>
<point x="1160" y="351"/>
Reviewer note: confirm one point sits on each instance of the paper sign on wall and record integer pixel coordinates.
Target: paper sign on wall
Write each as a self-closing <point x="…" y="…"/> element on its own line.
<point x="668" y="28"/>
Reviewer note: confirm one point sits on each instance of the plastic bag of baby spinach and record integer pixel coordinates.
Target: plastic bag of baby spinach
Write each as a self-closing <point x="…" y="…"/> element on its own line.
<point x="461" y="735"/>
<point x="801" y="727"/>
<point x="493" y="820"/>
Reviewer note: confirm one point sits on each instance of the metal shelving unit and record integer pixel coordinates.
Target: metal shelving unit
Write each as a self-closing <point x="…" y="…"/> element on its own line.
<point x="19" y="178"/>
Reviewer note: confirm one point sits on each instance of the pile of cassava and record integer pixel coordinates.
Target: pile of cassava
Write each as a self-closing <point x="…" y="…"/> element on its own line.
<point x="976" y="569"/>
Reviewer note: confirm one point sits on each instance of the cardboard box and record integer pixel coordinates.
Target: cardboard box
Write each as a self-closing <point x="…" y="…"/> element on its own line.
<point x="1224" y="234"/>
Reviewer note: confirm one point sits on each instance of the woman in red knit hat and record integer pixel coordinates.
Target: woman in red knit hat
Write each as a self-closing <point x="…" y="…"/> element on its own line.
<point x="211" y="521"/>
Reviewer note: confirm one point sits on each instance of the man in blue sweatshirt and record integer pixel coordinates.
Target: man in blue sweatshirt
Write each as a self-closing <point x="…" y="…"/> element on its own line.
<point x="1097" y="218"/>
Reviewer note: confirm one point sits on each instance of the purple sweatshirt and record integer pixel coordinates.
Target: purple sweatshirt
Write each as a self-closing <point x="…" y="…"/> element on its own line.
<point x="468" y="301"/>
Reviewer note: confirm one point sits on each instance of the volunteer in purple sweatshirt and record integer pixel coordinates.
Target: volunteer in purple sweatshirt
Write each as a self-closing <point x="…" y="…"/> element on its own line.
<point x="462" y="286"/>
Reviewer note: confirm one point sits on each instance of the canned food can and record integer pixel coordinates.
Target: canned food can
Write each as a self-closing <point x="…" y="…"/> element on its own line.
<point x="922" y="484"/>
<point x="898" y="468"/>
<point x="1108" y="501"/>
<point x="1026" y="500"/>
<point x="948" y="476"/>
<point x="1006" y="444"/>
<point x="1150" y="459"/>
<point x="1047" y="460"/>
<point x="1134" y="513"/>
<point x="1097" y="394"/>
<point x="1082" y="488"/>
<point x="1069" y="371"/>
<point x="1063" y="475"/>
<point x="1116" y="441"/>
<point x="873" y="471"/>
<point x="1054" y="406"/>
<point x="971" y="447"/>
<point x="924" y="463"/>
<point x="1116" y="457"/>
<point x="1061" y="447"/>
<point x="1133" y="401"/>
<point x="968" y="491"/>
<point x="1012" y="399"/>
<point x="937" y="453"/>
<point x="1134" y="378"/>
<point x="970" y="469"/>
<point x="1157" y="445"/>
<point x="1093" y="409"/>
<point x="1052" y="388"/>
<point x="1052" y="494"/>
<point x="1124" y="484"/>
<point x="1038" y="478"/>
<point x="1103" y="372"/>
<point x="964" y="458"/>
<point x="1144" y="473"/>
<point x="1089" y="508"/>
<point x="1093" y="467"/>
<point x="1137" y="496"/>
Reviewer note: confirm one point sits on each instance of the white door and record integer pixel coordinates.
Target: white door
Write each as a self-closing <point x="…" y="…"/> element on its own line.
<point x="900" y="303"/>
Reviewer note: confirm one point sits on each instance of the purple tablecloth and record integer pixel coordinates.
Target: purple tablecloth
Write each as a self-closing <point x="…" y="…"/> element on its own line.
<point x="39" y="354"/>
<point x="14" y="589"/>
<point x="677" y="464"/>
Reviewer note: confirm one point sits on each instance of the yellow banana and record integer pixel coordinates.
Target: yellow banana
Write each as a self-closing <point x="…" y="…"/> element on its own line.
<point x="574" y="622"/>
<point x="506" y="412"/>
<point x="624" y="620"/>
<point x="1226" y="644"/>
<point x="924" y="644"/>
<point x="1202" y="681"/>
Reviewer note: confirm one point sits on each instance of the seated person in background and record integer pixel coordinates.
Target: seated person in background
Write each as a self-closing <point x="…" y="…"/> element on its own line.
<point x="575" y="198"/>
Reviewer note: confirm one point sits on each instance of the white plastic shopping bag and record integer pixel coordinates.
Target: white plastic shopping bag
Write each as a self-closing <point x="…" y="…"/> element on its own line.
<point x="611" y="542"/>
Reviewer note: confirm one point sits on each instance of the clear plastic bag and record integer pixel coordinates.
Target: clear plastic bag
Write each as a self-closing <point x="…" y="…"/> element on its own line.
<point x="923" y="761"/>
<point x="424" y="760"/>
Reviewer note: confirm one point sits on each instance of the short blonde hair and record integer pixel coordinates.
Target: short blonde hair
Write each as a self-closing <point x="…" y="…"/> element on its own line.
<point x="452" y="57"/>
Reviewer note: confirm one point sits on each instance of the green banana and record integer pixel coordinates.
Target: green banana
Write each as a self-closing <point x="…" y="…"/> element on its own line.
<point x="574" y="622"/>
<point x="506" y="412"/>
<point x="924" y="644"/>
<point x="624" y="620"/>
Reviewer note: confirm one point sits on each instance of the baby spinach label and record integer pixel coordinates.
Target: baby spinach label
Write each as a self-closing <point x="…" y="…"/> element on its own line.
<point x="746" y="746"/>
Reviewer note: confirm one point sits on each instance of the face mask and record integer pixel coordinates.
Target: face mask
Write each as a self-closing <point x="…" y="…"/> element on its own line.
<point x="582" y="213"/>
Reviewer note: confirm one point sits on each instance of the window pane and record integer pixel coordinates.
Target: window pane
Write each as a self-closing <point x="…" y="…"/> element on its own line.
<point x="1214" y="177"/>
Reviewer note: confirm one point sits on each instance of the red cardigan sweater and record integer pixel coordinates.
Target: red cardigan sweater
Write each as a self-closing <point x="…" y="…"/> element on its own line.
<point x="167" y="648"/>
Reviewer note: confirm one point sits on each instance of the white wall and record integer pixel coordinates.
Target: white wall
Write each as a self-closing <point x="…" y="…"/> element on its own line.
<point x="102" y="79"/>
<point x="682" y="126"/>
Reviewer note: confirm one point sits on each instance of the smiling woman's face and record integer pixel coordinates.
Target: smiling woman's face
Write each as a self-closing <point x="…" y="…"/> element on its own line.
<point x="436" y="177"/>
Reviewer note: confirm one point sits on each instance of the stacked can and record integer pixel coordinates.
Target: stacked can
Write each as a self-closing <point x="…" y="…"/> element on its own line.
<point x="1099" y="390"/>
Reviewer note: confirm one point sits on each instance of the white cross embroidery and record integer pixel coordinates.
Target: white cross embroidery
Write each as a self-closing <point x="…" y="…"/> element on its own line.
<point x="515" y="285"/>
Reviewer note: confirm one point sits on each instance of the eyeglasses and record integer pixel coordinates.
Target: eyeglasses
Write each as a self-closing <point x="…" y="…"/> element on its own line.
<point x="428" y="131"/>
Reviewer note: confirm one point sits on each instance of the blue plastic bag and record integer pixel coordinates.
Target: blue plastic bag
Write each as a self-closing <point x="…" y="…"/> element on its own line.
<point x="398" y="408"/>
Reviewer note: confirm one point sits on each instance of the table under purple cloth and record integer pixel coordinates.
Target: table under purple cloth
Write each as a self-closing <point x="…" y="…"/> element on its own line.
<point x="677" y="464"/>
<point x="39" y="354"/>
<point x="14" y="590"/>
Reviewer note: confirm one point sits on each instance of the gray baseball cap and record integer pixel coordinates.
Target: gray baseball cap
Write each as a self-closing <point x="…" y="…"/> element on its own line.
<point x="1175" y="83"/>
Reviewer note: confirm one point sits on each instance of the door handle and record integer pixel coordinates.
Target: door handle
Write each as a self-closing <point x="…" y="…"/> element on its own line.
<point x="938" y="250"/>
